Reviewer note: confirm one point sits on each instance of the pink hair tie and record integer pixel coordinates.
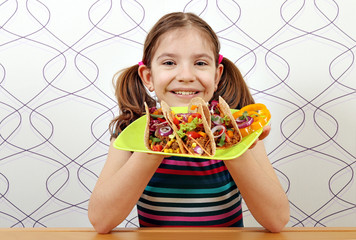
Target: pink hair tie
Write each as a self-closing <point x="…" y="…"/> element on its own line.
<point x="220" y="58"/>
<point x="140" y="63"/>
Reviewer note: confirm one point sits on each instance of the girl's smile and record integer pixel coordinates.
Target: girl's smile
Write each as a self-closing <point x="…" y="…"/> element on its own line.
<point x="183" y="66"/>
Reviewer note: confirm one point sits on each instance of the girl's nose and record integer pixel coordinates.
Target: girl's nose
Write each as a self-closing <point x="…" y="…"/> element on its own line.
<point x="186" y="74"/>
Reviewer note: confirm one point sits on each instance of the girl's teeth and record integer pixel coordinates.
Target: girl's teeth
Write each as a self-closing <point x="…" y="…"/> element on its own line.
<point x="185" y="93"/>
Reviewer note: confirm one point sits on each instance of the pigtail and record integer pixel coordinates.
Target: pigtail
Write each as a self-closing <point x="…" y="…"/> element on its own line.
<point x="232" y="87"/>
<point x="131" y="95"/>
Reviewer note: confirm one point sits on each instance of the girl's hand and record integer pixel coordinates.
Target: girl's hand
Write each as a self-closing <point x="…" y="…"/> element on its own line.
<point x="265" y="132"/>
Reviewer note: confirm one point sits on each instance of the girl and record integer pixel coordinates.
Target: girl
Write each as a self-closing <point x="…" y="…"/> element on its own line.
<point x="181" y="61"/>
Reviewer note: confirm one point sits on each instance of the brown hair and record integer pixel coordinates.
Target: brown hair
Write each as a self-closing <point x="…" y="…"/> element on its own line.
<point x="131" y="93"/>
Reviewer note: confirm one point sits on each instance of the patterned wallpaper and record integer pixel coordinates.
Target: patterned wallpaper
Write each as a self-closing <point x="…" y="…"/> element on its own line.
<point x="57" y="59"/>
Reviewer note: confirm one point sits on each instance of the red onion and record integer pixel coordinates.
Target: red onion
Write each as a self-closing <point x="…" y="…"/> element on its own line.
<point x="244" y="122"/>
<point x="153" y="125"/>
<point x="217" y="119"/>
<point x="165" y="130"/>
<point x="213" y="105"/>
<point x="156" y="124"/>
<point x="152" y="109"/>
<point x="198" y="150"/>
<point x="218" y="128"/>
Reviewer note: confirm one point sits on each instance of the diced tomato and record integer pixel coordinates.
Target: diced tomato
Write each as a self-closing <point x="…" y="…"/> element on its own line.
<point x="221" y="131"/>
<point x="157" y="148"/>
<point x="193" y="134"/>
<point x="175" y="121"/>
<point x="161" y="119"/>
<point x="196" y="115"/>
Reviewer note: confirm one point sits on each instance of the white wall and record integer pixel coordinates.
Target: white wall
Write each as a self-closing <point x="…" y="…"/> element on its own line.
<point x="57" y="59"/>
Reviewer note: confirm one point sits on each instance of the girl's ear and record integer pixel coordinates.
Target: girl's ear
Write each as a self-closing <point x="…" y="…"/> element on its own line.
<point x="219" y="72"/>
<point x="145" y="74"/>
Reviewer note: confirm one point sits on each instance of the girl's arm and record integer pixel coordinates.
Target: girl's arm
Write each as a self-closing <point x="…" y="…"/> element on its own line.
<point x="119" y="186"/>
<point x="260" y="188"/>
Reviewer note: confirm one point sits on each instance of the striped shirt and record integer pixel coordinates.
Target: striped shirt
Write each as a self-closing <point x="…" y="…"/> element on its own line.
<point x="190" y="192"/>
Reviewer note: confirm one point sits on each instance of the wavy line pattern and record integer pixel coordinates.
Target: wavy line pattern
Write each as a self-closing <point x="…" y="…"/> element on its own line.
<point x="56" y="98"/>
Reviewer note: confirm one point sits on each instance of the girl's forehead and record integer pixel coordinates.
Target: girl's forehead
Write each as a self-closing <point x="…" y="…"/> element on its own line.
<point x="181" y="35"/>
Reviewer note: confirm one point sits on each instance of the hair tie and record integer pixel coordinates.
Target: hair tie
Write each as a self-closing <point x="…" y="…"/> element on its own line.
<point x="141" y="63"/>
<point x="220" y="58"/>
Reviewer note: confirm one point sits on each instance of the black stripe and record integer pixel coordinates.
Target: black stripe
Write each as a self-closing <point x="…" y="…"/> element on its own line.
<point x="190" y="195"/>
<point x="188" y="181"/>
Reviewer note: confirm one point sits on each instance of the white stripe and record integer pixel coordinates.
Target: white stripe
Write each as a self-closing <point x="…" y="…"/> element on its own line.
<point x="189" y="200"/>
<point x="189" y="209"/>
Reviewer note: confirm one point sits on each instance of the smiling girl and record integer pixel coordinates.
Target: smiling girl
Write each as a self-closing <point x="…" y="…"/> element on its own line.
<point x="181" y="60"/>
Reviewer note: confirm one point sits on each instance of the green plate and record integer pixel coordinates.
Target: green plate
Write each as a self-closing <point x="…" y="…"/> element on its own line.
<point x="131" y="139"/>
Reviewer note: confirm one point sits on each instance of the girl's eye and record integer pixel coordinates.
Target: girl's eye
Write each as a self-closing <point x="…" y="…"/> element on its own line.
<point x="170" y="63"/>
<point x="201" y="63"/>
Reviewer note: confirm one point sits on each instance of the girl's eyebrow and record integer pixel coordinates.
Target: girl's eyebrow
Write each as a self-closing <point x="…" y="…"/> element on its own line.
<point x="163" y="55"/>
<point x="172" y="55"/>
<point x="203" y="55"/>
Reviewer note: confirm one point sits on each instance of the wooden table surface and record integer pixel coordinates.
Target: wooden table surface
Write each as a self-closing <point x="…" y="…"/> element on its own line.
<point x="176" y="234"/>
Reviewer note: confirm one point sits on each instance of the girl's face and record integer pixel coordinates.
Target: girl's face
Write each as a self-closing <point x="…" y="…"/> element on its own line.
<point x="183" y="67"/>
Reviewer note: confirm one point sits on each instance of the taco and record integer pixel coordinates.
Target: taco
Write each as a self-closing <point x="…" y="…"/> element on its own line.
<point x="193" y="107"/>
<point x="223" y="126"/>
<point x="192" y="130"/>
<point x="159" y="135"/>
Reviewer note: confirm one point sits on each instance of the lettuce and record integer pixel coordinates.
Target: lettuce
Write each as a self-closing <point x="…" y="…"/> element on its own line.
<point x="186" y="127"/>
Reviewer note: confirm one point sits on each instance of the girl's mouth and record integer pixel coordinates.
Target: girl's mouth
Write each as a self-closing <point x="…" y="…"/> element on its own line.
<point x="185" y="92"/>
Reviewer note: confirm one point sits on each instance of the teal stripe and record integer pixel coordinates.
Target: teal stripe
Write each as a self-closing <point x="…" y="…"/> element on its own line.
<point x="189" y="191"/>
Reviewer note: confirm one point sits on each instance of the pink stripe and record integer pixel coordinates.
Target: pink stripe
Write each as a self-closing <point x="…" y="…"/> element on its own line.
<point x="146" y="224"/>
<point x="228" y="223"/>
<point x="189" y="219"/>
<point x="189" y="163"/>
<point x="194" y="173"/>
